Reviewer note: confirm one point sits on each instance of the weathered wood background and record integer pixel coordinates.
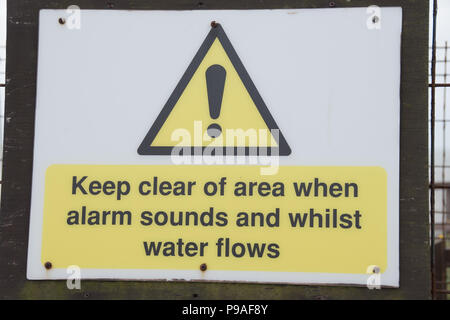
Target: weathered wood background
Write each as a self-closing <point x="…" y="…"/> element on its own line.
<point x="21" y="66"/>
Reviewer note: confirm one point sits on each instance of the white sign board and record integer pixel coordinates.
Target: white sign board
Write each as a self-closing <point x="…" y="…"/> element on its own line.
<point x="231" y="145"/>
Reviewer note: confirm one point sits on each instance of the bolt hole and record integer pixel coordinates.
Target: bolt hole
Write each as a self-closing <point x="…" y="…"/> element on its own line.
<point x="203" y="267"/>
<point x="62" y="21"/>
<point x="48" y="265"/>
<point x="195" y="295"/>
<point x="332" y="4"/>
<point x="213" y="24"/>
<point x="375" y="19"/>
<point x="200" y="4"/>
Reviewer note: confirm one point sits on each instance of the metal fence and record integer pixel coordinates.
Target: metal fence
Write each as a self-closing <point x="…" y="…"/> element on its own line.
<point x="439" y="167"/>
<point x="439" y="162"/>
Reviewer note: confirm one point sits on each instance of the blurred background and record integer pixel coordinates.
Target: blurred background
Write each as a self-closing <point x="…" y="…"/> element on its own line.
<point x="2" y="72"/>
<point x="439" y="161"/>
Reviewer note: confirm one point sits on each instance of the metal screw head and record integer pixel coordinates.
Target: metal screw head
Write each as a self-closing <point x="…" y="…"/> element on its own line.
<point x="214" y="24"/>
<point x="62" y="21"/>
<point x="376" y="270"/>
<point x="203" y="267"/>
<point x="332" y="4"/>
<point x="48" y="265"/>
<point x="375" y="19"/>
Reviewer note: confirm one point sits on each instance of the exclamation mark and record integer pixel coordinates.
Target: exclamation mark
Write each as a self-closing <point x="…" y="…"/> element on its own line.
<point x="215" y="83"/>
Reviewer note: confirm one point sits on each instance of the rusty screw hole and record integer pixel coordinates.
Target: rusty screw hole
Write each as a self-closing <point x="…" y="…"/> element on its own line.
<point x="48" y="265"/>
<point x="62" y="21"/>
<point x="203" y="267"/>
<point x="332" y="4"/>
<point x="214" y="24"/>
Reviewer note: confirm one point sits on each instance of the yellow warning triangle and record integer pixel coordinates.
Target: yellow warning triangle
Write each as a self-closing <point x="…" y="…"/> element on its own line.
<point x="216" y="105"/>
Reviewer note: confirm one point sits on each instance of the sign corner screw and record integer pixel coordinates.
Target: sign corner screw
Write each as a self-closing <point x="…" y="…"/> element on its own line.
<point x="203" y="267"/>
<point x="48" y="265"/>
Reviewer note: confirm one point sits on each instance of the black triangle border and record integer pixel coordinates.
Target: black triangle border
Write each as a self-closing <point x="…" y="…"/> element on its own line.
<point x="217" y="31"/>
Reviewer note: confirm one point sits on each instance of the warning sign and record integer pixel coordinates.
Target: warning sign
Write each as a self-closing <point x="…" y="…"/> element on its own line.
<point x="224" y="151"/>
<point x="229" y="218"/>
<point x="215" y="104"/>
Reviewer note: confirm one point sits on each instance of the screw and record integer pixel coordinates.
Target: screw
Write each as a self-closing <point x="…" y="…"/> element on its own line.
<point x="214" y="24"/>
<point x="376" y="270"/>
<point x="375" y="19"/>
<point x="62" y="21"/>
<point x="332" y="4"/>
<point x="203" y="267"/>
<point x="48" y="265"/>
